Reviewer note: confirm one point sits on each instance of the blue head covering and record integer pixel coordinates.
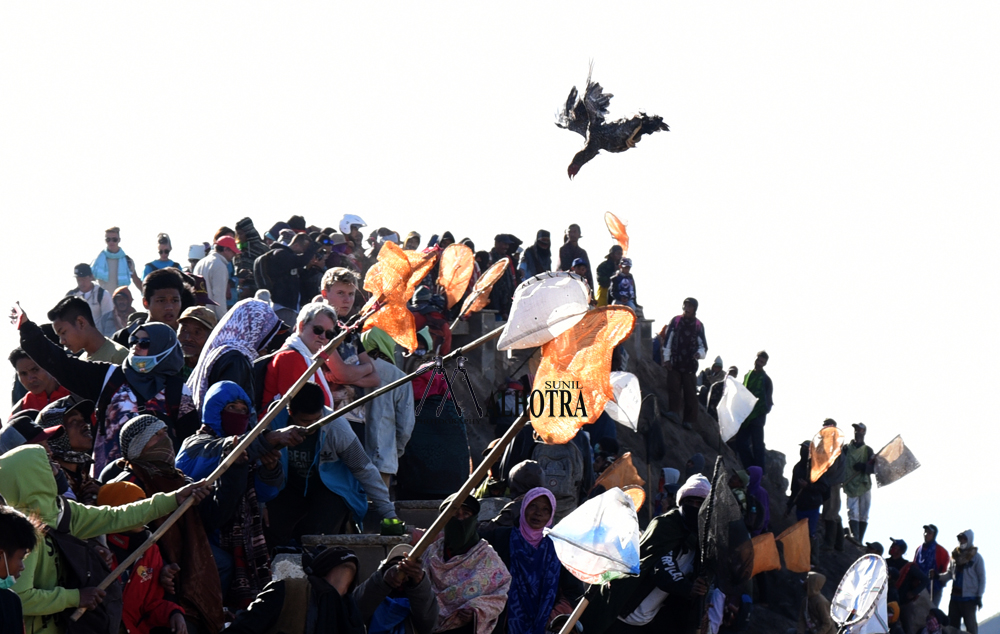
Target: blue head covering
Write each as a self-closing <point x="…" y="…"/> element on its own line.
<point x="218" y="396"/>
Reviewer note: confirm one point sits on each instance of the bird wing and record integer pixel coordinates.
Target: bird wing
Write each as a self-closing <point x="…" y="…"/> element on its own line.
<point x="574" y="115"/>
<point x="623" y="134"/>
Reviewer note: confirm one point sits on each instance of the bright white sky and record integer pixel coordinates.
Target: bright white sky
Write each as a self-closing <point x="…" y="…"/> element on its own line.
<point x="827" y="191"/>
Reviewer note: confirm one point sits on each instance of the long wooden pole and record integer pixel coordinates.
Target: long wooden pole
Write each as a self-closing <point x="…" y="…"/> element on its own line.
<point x="466" y="489"/>
<point x="575" y="616"/>
<point x="318" y="360"/>
<point x="311" y="429"/>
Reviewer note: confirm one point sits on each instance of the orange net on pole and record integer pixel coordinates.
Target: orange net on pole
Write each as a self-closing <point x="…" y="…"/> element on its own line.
<point x="420" y="265"/>
<point x="765" y="554"/>
<point x="795" y="544"/>
<point x="824" y="451"/>
<point x="574" y="376"/>
<point x="480" y="295"/>
<point x="386" y="281"/>
<point x="617" y="229"/>
<point x="620" y="474"/>
<point x="457" y="262"/>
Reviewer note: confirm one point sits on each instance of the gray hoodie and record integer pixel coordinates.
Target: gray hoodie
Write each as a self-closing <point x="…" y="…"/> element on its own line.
<point x="972" y="568"/>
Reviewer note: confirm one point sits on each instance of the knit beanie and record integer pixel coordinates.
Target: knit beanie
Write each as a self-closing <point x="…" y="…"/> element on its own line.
<point x="119" y="494"/>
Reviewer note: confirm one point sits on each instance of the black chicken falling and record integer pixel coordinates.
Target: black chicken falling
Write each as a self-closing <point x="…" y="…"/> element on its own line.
<point x="585" y="116"/>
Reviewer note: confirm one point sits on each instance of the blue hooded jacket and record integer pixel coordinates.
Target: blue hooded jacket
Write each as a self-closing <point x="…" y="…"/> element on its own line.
<point x="201" y="453"/>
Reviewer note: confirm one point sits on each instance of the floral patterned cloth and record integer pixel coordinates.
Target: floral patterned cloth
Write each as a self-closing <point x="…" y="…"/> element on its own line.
<point x="477" y="580"/>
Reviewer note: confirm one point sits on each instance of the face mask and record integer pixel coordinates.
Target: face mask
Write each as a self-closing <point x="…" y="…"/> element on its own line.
<point x="460" y="535"/>
<point x="6" y="583"/>
<point x="690" y="516"/>
<point x="162" y="451"/>
<point x="145" y="364"/>
<point x="234" y="423"/>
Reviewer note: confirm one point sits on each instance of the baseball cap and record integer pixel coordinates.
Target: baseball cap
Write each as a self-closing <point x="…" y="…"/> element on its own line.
<point x="829" y="422"/>
<point x="860" y="426"/>
<point x="200" y="287"/>
<point x="196" y="251"/>
<point x="399" y="550"/>
<point x="626" y="261"/>
<point x="931" y="527"/>
<point x="200" y="314"/>
<point x="898" y="543"/>
<point x="82" y="270"/>
<point x="578" y="262"/>
<point x="228" y="242"/>
<point x="23" y="430"/>
<point x="53" y="414"/>
<point x="322" y="562"/>
<point x="875" y="547"/>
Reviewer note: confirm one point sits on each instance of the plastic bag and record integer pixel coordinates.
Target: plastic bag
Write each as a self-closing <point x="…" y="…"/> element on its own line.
<point x="544" y="307"/>
<point x="628" y="399"/>
<point x="599" y="541"/>
<point x="736" y="404"/>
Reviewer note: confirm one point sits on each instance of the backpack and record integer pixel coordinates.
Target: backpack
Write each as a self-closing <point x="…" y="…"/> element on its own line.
<point x="85" y="568"/>
<point x="100" y="293"/>
<point x="563" y="468"/>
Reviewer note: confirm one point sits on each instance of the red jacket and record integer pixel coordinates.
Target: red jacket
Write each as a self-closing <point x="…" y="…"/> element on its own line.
<point x="143" y="604"/>
<point x="283" y="371"/>
<point x="33" y="401"/>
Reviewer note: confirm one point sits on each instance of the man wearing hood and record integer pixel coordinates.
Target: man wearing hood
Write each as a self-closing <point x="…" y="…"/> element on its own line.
<point x="814" y="615"/>
<point x="26" y="483"/>
<point x="538" y="257"/>
<point x="667" y="590"/>
<point x="709" y="377"/>
<point x="967" y="572"/>
<point x="322" y="603"/>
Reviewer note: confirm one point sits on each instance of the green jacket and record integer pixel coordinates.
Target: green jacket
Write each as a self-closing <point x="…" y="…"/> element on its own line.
<point x="27" y="484"/>
<point x="857" y="482"/>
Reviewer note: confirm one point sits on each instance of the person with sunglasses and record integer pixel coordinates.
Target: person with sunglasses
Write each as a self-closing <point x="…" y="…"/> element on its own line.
<point x="164" y="261"/>
<point x="148" y="381"/>
<point x="107" y="266"/>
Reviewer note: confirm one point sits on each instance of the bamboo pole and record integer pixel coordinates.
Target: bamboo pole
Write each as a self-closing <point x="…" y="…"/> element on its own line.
<point x="466" y="489"/>
<point x="311" y="429"/>
<point x="265" y="422"/>
<point x="575" y="616"/>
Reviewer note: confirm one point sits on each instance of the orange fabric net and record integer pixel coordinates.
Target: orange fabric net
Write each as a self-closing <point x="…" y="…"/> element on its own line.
<point x="574" y="376"/>
<point x="386" y="281"/>
<point x="765" y="554"/>
<point x="420" y="265"/>
<point x="795" y="544"/>
<point x="617" y="229"/>
<point x="620" y="474"/>
<point x="480" y="295"/>
<point x="825" y="449"/>
<point x="455" y="271"/>
<point x="637" y="493"/>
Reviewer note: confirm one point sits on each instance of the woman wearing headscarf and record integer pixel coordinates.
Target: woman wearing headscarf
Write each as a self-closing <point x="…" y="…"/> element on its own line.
<point x="231" y="349"/>
<point x="534" y="568"/>
<point x="238" y="547"/>
<point x="147" y="382"/>
<point x="469" y="578"/>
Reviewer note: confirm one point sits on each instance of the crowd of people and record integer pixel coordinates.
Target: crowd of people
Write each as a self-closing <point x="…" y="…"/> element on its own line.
<point x="120" y="414"/>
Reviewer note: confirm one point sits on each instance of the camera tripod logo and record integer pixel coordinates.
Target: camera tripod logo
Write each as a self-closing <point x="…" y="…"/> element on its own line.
<point x="437" y="368"/>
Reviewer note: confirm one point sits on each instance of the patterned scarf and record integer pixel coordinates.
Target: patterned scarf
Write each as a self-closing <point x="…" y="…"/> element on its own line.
<point x="243" y="536"/>
<point x="246" y="328"/>
<point x="477" y="581"/>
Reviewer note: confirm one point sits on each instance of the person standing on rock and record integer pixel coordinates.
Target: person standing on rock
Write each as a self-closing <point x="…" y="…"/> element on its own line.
<point x="932" y="559"/>
<point x="684" y="345"/>
<point x="833" y="529"/>
<point x="860" y="466"/>
<point x="749" y="440"/>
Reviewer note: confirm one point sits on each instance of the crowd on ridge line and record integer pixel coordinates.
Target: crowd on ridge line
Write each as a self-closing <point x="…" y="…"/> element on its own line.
<point x="134" y="418"/>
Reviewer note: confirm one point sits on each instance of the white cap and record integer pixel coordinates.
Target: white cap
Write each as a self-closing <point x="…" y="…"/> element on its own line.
<point x="348" y="220"/>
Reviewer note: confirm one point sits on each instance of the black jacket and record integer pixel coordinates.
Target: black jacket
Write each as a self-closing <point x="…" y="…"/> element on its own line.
<point x="324" y="612"/>
<point x="279" y="271"/>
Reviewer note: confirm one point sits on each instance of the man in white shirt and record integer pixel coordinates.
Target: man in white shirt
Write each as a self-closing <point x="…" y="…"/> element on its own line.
<point x="99" y="299"/>
<point x="214" y="267"/>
